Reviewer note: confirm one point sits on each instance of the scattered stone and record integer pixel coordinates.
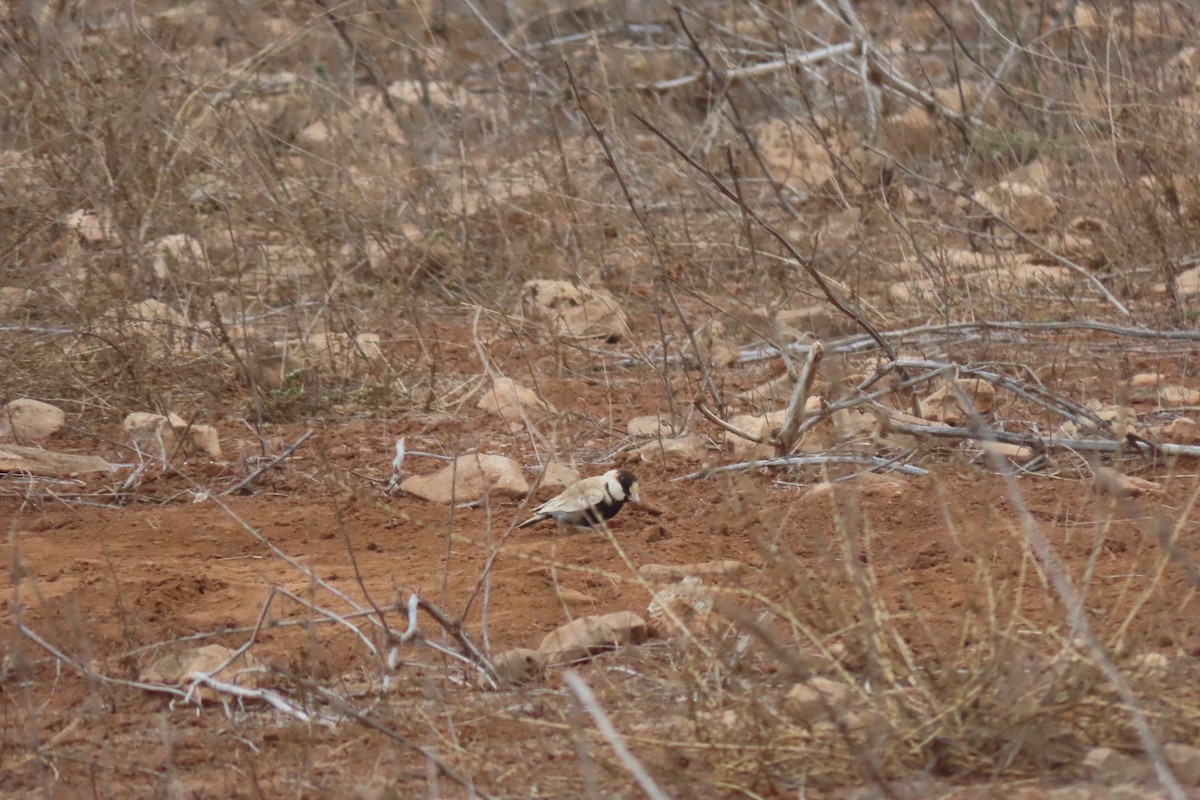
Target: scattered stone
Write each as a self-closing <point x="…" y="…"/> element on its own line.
<point x="175" y="254"/>
<point x="1185" y="763"/>
<point x="1016" y="453"/>
<point x="1116" y="484"/>
<point x="1181" y="431"/>
<point x="340" y="353"/>
<point x="686" y="599"/>
<point x="1147" y="380"/>
<point x="629" y="627"/>
<point x="571" y="597"/>
<point x="1150" y="662"/>
<point x="703" y="569"/>
<point x="513" y="402"/>
<point x="176" y="669"/>
<point x="1187" y="283"/>
<point x="158" y="327"/>
<point x="867" y="484"/>
<point x="1112" y="767"/>
<point x="469" y="478"/>
<point x="943" y="405"/>
<point x="13" y="299"/>
<point x="817" y="700"/>
<point x="559" y="474"/>
<point x="378" y="788"/>
<point x="1022" y="205"/>
<point x="1178" y="396"/>
<point x="30" y="419"/>
<point x="93" y="228"/>
<point x="572" y="311"/>
<point x="717" y="348"/>
<point x="587" y="636"/>
<point x="651" y="426"/>
<point x="519" y="666"/>
<point x="758" y="425"/>
<point x="160" y="436"/>
<point x="682" y="449"/>
<point x="48" y="463"/>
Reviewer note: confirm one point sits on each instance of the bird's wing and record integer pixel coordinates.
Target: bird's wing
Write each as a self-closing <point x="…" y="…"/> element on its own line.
<point x="581" y="496"/>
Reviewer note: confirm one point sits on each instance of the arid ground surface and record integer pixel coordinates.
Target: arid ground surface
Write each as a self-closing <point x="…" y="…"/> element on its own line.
<point x="310" y="227"/>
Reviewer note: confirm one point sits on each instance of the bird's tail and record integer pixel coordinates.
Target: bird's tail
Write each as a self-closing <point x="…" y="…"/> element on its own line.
<point x="531" y="521"/>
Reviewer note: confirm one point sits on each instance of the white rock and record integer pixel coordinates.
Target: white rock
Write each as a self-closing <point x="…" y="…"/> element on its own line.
<point x="682" y="449"/>
<point x="1024" y="206"/>
<point x="559" y="475"/>
<point x="1109" y="766"/>
<point x="581" y="639"/>
<point x="175" y="254"/>
<point x="654" y="426"/>
<point x="519" y="666"/>
<point x="513" y="402"/>
<point x="160" y="436"/>
<point x="176" y="669"/>
<point x="572" y="311"/>
<point x="30" y="419"/>
<point x="92" y="227"/>
<point x="818" y="699"/>
<point x="36" y="461"/>
<point x="943" y="406"/>
<point x="468" y="479"/>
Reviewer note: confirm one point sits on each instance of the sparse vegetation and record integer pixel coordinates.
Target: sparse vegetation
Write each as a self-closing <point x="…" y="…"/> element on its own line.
<point x="892" y="304"/>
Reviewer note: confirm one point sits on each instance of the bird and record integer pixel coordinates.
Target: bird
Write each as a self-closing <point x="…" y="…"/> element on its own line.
<point x="589" y="502"/>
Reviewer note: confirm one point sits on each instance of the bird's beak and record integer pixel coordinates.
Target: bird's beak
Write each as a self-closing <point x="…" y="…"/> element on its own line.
<point x="633" y="495"/>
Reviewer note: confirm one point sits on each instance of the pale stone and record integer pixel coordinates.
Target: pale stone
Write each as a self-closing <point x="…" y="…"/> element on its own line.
<point x="338" y="352"/>
<point x="704" y="569"/>
<point x="1185" y="763"/>
<point x="1026" y="207"/>
<point x="159" y="435"/>
<point x="468" y="479"/>
<point x="1178" y="396"/>
<point x="572" y="597"/>
<point x="656" y="426"/>
<point x="868" y="484"/>
<point x="682" y="449"/>
<point x="579" y="640"/>
<point x="1147" y="380"/>
<point x="572" y="311"/>
<point x="1181" y="431"/>
<point x="717" y="347"/>
<point x="519" y="666"/>
<point x="1114" y="483"/>
<point x="30" y="419"/>
<point x="93" y="227"/>
<point x="1016" y="453"/>
<point x="513" y="402"/>
<point x="943" y="405"/>
<point x="684" y="599"/>
<point x="13" y="299"/>
<point x="559" y="474"/>
<point x="1109" y="766"/>
<point x="176" y="669"/>
<point x="36" y="461"/>
<point x="175" y="252"/>
<point x="817" y="700"/>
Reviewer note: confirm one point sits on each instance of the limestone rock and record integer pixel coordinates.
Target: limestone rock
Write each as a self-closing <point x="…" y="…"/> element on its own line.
<point x="1181" y="431"/>
<point x="157" y="326"/>
<point x="717" y="347"/>
<point x="681" y="449"/>
<point x="14" y="298"/>
<point x="1022" y="205"/>
<point x="817" y="700"/>
<point x="175" y="669"/>
<point x="559" y="475"/>
<point x="160" y="436"/>
<point x="652" y="426"/>
<point x="704" y="569"/>
<point x="519" y="666"/>
<point x="574" y="312"/>
<point x="336" y="352"/>
<point x="513" y="402"/>
<point x="1112" y="767"/>
<point x="868" y="484"/>
<point x="30" y="419"/>
<point x="468" y="479"/>
<point x="177" y="255"/>
<point x="1114" y="483"/>
<point x="1185" y="763"/>
<point x="36" y="461"/>
<point x="572" y="597"/>
<point x="943" y="406"/>
<point x="587" y="636"/>
<point x="94" y="228"/>
<point x="1178" y="396"/>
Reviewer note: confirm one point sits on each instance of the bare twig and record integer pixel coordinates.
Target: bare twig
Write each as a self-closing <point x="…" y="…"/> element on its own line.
<point x="805" y="264"/>
<point x="253" y="476"/>
<point x="587" y="699"/>
<point x="873" y="462"/>
<point x="786" y="441"/>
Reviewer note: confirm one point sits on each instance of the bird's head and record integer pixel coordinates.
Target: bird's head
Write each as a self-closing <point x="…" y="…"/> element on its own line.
<point x="629" y="484"/>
